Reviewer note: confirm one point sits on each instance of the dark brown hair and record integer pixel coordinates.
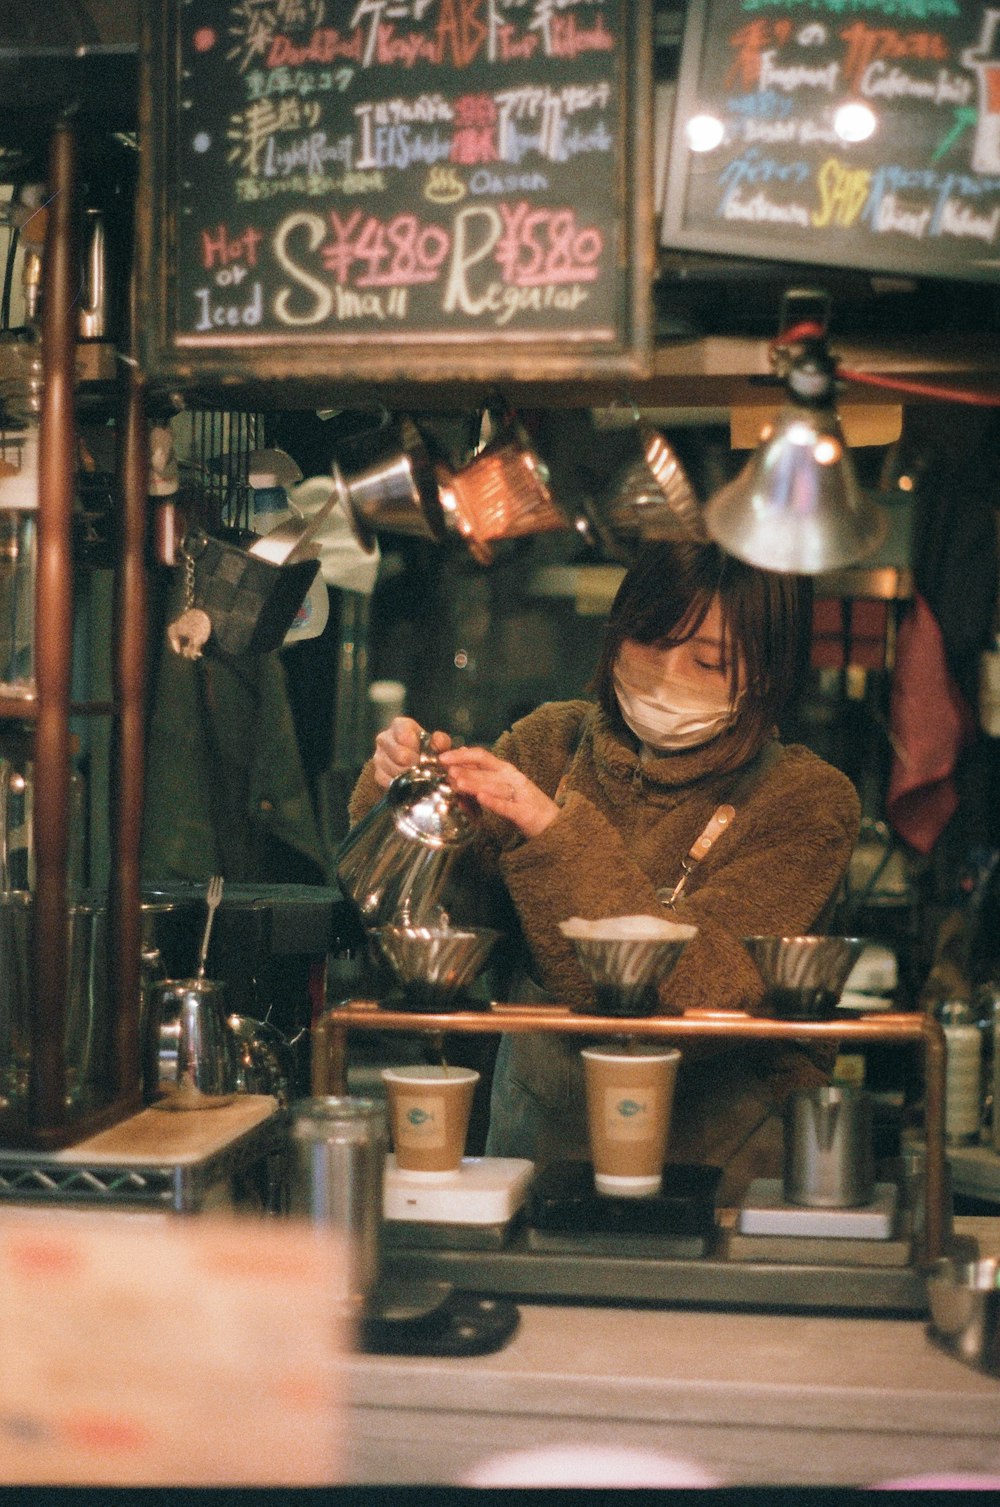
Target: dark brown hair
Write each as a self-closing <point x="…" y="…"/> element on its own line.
<point x="663" y="600"/>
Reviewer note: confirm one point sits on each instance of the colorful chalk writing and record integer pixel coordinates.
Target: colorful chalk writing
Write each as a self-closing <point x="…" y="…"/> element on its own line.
<point x="859" y="133"/>
<point x="427" y="168"/>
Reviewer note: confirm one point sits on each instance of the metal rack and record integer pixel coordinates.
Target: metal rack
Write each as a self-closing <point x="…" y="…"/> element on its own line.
<point x="177" y="1163"/>
<point x="48" y="1120"/>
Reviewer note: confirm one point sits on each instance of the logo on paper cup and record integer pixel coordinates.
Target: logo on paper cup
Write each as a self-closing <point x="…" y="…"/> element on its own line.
<point x="626" y="1117"/>
<point x="421" y="1122"/>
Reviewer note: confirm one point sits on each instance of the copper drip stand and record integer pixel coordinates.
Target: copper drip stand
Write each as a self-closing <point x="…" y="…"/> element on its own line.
<point x="331" y="1031"/>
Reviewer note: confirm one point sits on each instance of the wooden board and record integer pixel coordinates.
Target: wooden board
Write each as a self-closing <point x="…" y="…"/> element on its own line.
<point x="157" y="1137"/>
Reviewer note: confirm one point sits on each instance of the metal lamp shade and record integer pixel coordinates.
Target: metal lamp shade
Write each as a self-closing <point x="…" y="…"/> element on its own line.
<point x="796" y="506"/>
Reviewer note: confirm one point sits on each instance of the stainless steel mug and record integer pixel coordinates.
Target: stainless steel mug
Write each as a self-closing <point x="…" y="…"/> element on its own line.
<point x="829" y="1147"/>
<point x="195" y="1045"/>
<point x="390" y="484"/>
<point x="338" y="1151"/>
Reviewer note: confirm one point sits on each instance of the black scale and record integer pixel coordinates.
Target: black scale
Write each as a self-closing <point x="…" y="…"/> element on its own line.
<point x="564" y="1212"/>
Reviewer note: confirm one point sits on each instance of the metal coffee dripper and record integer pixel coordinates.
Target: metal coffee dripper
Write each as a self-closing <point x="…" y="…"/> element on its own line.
<point x="434" y="964"/>
<point x="627" y="958"/>
<point x="804" y="977"/>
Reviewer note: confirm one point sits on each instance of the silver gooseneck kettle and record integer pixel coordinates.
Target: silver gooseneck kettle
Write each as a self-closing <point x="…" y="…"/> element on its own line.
<point x="394" y="863"/>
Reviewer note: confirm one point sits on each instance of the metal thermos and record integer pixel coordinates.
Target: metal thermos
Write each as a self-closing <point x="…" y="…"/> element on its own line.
<point x="829" y="1147"/>
<point x="338" y="1151"/>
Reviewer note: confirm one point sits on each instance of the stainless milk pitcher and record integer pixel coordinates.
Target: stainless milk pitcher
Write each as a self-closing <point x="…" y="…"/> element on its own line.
<point x="829" y="1147"/>
<point x="394" y="863"/>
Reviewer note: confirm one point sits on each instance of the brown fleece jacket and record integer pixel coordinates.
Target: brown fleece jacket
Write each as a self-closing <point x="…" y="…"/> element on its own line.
<point x="626" y="822"/>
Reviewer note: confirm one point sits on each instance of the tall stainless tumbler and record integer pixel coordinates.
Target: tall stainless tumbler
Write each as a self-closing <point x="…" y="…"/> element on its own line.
<point x="338" y="1151"/>
<point x="829" y="1147"/>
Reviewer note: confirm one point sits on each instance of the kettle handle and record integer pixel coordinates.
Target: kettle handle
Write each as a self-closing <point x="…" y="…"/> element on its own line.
<point x="427" y="754"/>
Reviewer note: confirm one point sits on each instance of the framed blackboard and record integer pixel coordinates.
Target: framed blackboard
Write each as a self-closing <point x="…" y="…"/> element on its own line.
<point x="422" y="188"/>
<point x="852" y="133"/>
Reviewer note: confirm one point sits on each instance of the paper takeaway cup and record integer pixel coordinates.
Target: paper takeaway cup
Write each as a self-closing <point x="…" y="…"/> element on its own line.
<point x="630" y="1094"/>
<point x="429" y="1109"/>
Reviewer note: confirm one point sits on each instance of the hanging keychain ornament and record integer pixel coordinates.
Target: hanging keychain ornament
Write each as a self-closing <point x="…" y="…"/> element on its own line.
<point x="188" y="634"/>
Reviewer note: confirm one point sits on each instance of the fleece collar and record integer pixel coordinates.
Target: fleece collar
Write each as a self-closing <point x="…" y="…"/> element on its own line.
<point x="620" y="770"/>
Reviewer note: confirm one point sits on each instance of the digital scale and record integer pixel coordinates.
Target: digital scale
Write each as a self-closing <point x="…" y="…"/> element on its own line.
<point x="476" y="1205"/>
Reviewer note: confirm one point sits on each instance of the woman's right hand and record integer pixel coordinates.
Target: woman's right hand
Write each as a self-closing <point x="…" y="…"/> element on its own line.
<point x="397" y="749"/>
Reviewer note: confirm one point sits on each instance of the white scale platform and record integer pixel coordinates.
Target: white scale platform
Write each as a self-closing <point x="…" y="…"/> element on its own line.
<point x="485" y="1190"/>
<point x="765" y="1212"/>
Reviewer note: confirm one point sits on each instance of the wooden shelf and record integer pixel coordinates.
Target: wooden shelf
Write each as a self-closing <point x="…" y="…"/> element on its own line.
<point x="715" y="371"/>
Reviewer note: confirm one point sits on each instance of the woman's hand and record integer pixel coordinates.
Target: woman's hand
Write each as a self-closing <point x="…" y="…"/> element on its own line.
<point x="397" y="749"/>
<point x="500" y="787"/>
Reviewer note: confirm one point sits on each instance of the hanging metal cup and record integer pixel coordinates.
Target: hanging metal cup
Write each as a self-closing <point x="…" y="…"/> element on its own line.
<point x="503" y="493"/>
<point x="390" y="484"/>
<point x="648" y="499"/>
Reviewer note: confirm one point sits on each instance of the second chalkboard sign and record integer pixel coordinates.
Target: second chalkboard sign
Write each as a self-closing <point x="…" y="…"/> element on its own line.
<point x="861" y="135"/>
<point x="430" y="186"/>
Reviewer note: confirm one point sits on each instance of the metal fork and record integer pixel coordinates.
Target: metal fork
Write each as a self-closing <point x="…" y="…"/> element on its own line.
<point x="212" y="897"/>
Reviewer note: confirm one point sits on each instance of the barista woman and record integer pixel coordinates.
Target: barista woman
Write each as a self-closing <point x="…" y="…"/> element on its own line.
<point x="590" y="809"/>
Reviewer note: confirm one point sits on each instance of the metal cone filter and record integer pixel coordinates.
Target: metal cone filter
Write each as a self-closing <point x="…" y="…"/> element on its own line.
<point x="804" y="976"/>
<point x="650" y="499"/>
<point x="441" y="959"/>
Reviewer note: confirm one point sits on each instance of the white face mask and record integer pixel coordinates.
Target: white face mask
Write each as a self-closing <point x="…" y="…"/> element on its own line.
<point x="673" y="714"/>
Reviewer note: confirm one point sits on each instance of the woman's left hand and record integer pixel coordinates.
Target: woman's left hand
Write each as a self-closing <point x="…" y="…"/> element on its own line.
<point x="500" y="787"/>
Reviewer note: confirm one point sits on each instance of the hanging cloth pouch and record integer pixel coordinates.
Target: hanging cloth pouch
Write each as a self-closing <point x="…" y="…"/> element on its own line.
<point x="234" y="601"/>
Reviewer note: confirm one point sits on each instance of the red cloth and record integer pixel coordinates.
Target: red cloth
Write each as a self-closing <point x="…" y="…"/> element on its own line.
<point x="930" y="722"/>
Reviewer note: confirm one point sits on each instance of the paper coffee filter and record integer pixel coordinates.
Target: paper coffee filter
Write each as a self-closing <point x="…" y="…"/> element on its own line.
<point x="627" y="929"/>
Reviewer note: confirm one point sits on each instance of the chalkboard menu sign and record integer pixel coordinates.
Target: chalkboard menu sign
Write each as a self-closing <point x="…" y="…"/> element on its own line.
<point x="853" y="133"/>
<point x="396" y="188"/>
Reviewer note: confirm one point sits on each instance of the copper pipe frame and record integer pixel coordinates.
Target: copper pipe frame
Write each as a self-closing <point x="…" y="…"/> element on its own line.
<point x="54" y="642"/>
<point x="330" y="1044"/>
